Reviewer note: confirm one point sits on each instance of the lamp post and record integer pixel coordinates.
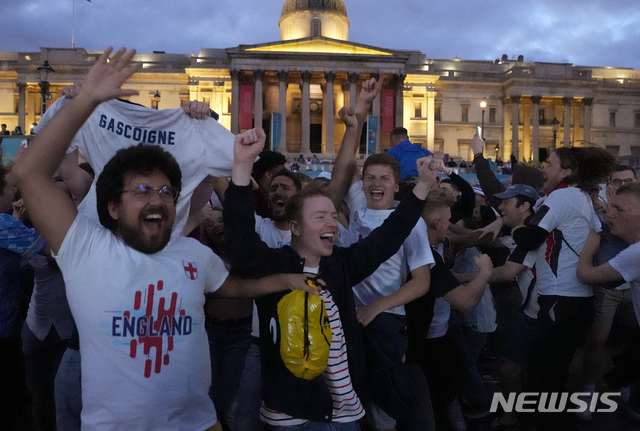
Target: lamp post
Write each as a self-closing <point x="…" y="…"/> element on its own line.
<point x="156" y="100"/>
<point x="45" y="70"/>
<point x="483" y="105"/>
<point x="555" y="124"/>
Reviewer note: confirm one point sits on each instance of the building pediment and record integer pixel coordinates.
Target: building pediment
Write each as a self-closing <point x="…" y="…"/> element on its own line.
<point x="314" y="45"/>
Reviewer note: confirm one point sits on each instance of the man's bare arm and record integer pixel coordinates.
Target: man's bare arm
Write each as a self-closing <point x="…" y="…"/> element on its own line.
<point x="412" y="289"/>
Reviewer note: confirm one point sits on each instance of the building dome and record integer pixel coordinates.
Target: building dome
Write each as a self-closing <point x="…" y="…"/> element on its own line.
<point x="335" y="6"/>
<point x="313" y="18"/>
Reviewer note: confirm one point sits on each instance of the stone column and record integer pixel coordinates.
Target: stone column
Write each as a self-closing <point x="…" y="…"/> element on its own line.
<point x="283" y="83"/>
<point x="399" y="81"/>
<point x="217" y="103"/>
<point x="376" y="110"/>
<point x="328" y="111"/>
<point x="258" y="75"/>
<point x="236" y="75"/>
<point x="353" y="88"/>
<point x="566" y="120"/>
<point x="22" y="87"/>
<point x="345" y="93"/>
<point x="194" y="83"/>
<point x="586" y="104"/>
<point x="431" y="121"/>
<point x="515" y="124"/>
<point x="535" y="126"/>
<point x="505" y="148"/>
<point x="305" y="89"/>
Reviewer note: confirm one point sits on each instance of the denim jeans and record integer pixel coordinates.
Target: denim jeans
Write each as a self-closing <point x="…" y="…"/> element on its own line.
<point x="68" y="390"/>
<point x="229" y="341"/>
<point x="247" y="414"/>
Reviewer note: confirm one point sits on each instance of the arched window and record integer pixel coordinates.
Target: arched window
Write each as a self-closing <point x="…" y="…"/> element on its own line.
<point x="316" y="27"/>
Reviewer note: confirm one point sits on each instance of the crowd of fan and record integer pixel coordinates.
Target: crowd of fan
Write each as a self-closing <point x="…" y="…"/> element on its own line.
<point x="421" y="274"/>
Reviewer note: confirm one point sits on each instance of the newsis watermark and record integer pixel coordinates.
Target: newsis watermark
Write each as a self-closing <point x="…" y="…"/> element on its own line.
<point x="554" y="402"/>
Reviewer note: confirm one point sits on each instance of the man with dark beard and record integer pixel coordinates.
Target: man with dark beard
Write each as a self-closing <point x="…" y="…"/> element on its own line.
<point x="136" y="294"/>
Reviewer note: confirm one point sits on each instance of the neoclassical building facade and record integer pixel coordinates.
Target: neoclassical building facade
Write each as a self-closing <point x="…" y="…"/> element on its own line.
<point x="294" y="87"/>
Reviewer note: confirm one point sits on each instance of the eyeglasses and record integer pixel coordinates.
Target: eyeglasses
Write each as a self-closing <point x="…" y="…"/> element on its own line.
<point x="145" y="193"/>
<point x="617" y="182"/>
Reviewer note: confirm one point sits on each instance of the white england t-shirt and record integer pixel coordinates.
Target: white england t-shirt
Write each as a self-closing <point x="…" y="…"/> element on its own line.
<point x="567" y="214"/>
<point x="626" y="263"/>
<point x="201" y="147"/>
<point x="140" y="318"/>
<point x="392" y="274"/>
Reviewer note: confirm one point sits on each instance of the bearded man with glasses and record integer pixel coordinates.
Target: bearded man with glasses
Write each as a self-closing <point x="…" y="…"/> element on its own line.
<point x="136" y="293"/>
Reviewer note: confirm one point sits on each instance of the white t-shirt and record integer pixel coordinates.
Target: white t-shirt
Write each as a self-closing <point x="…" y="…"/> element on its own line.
<point x="626" y="263"/>
<point x="392" y="274"/>
<point x="483" y="316"/>
<point x="201" y="147"/>
<point x="270" y="234"/>
<point x="524" y="279"/>
<point x="137" y="374"/>
<point x="568" y="215"/>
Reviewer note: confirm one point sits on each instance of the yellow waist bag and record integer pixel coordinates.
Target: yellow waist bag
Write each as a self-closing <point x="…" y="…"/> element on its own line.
<point x="305" y="333"/>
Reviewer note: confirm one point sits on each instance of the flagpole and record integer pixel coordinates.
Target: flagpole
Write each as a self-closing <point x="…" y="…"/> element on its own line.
<point x="73" y="26"/>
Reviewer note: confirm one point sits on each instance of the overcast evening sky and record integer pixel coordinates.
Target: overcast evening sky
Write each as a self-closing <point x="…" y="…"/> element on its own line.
<point x="582" y="32"/>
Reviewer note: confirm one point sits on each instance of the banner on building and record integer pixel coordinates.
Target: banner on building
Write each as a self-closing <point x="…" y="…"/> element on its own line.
<point x="372" y="133"/>
<point x="246" y="107"/>
<point x="387" y="108"/>
<point x="276" y="130"/>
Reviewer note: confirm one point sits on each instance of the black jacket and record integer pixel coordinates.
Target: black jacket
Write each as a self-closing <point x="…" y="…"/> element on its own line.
<point x="346" y="267"/>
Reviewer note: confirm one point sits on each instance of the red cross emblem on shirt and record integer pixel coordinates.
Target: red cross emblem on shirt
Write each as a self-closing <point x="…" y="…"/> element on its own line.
<point x="190" y="270"/>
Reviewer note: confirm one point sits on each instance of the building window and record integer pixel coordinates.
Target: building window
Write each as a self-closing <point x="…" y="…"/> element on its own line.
<point x="316" y="27"/>
<point x="492" y="115"/>
<point x="417" y="109"/>
<point x="438" y="146"/>
<point x="464" y="150"/>
<point x="438" y="111"/>
<point x="635" y="150"/>
<point x="541" y="119"/>
<point x="465" y="113"/>
<point x="612" y="119"/>
<point x="613" y="149"/>
<point x="636" y="121"/>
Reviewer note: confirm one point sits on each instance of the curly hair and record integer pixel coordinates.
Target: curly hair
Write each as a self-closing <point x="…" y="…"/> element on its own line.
<point x="590" y="166"/>
<point x="141" y="159"/>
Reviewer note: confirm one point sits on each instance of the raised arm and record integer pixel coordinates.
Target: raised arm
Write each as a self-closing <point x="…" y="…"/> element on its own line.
<point x="344" y="162"/>
<point x="488" y="181"/>
<point x="248" y="254"/>
<point x="50" y="209"/>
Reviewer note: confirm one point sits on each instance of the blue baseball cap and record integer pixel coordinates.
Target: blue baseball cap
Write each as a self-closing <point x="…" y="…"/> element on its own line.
<point x="518" y="190"/>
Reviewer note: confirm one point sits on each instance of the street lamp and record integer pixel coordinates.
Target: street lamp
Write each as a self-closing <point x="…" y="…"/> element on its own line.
<point x="156" y="100"/>
<point x="483" y="105"/>
<point x="555" y="124"/>
<point x="45" y="70"/>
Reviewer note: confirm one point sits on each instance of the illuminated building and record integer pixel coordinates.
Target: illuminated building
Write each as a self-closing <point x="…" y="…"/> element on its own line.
<point x="313" y="70"/>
